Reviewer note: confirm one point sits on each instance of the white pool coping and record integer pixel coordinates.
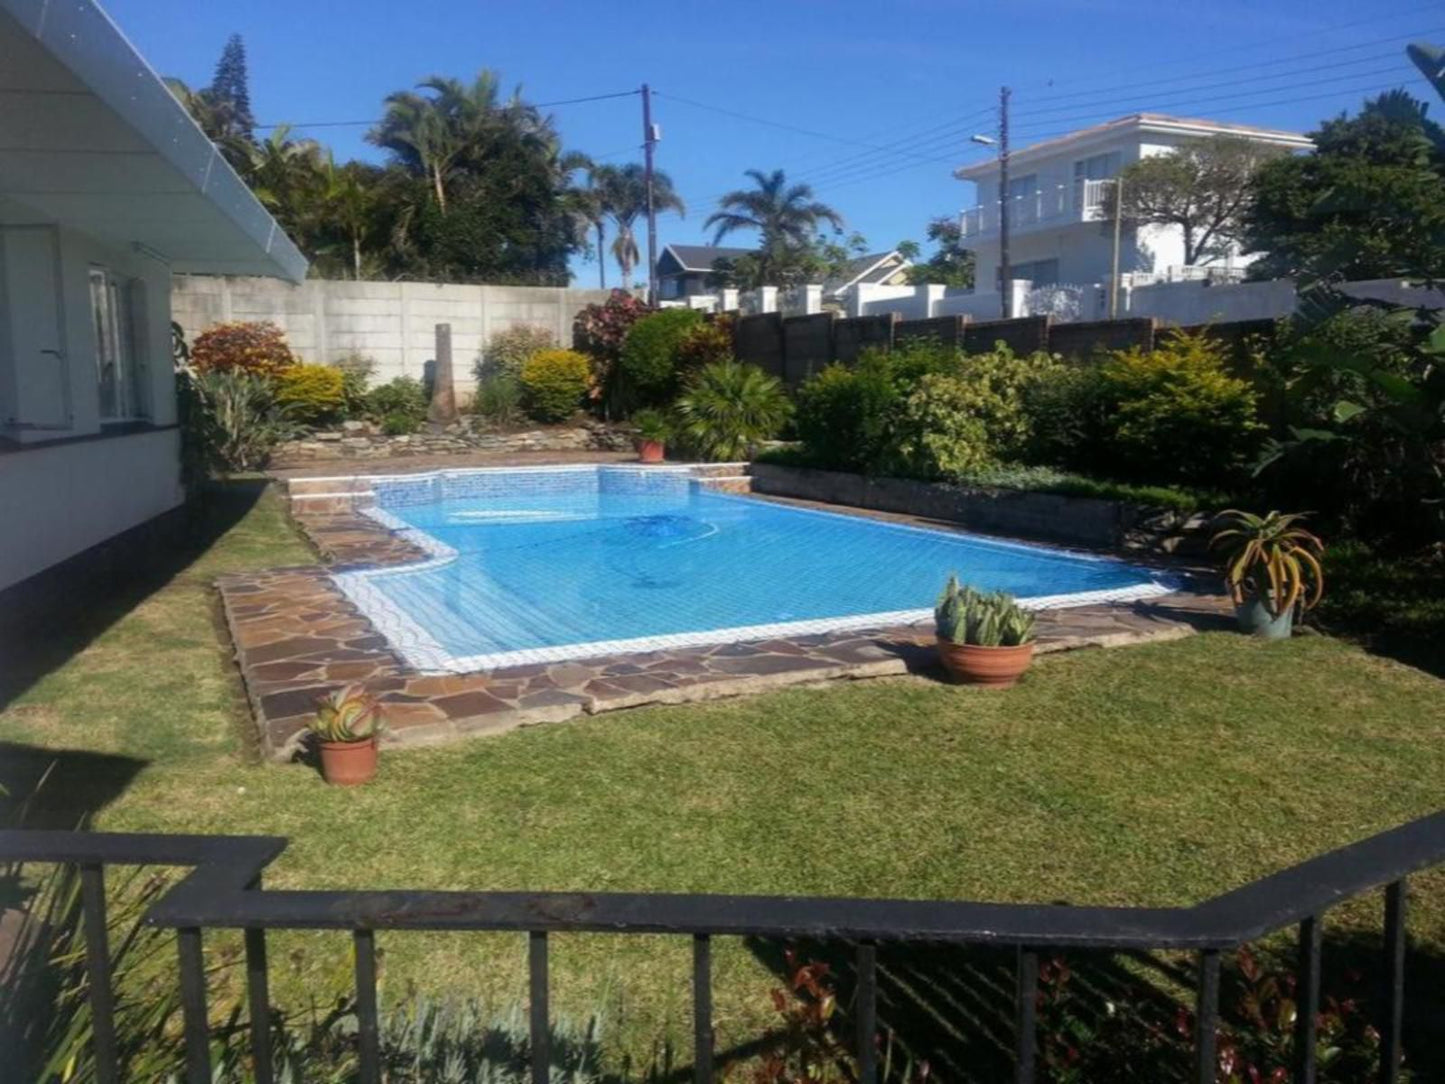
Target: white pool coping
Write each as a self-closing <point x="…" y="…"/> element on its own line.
<point x="422" y="652"/>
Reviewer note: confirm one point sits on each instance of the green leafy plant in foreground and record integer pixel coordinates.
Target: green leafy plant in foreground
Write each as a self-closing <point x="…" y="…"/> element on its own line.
<point x="349" y="714"/>
<point x="730" y="408"/>
<point x="652" y="425"/>
<point x="965" y="615"/>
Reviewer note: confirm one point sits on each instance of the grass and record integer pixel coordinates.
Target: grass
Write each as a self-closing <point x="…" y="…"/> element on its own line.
<point x="1153" y="775"/>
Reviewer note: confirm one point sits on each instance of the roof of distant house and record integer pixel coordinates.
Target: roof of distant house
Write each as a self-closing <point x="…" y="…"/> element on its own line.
<point x="701" y="257"/>
<point x="1161" y="123"/>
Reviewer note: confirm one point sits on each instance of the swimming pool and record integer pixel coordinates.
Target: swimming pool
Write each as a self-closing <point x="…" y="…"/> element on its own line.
<point x="546" y="564"/>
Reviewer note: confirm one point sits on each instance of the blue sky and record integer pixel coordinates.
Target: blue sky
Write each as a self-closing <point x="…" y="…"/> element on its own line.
<point x="878" y="99"/>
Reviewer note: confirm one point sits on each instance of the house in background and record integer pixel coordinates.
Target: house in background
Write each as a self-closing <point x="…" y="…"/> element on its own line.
<point x="685" y="271"/>
<point x="878" y="269"/>
<point x="1056" y="228"/>
<point x="106" y="187"/>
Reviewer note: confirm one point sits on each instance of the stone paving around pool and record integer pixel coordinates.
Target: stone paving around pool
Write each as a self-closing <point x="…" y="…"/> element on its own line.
<point x="297" y="637"/>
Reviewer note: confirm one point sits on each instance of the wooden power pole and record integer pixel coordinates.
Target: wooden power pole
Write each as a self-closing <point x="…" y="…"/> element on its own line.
<point x="649" y="141"/>
<point x="1005" y="271"/>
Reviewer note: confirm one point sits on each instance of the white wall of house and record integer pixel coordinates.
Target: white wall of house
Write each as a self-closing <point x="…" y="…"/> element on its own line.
<point x="393" y="323"/>
<point x="73" y="475"/>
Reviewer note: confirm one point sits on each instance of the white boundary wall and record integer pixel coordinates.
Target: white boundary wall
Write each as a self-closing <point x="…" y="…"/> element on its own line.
<point x="394" y="323"/>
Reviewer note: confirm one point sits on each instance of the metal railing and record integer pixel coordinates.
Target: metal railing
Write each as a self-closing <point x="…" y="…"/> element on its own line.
<point x="223" y="890"/>
<point x="1081" y="201"/>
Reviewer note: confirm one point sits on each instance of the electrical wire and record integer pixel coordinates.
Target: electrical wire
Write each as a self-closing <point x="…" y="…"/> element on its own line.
<point x="535" y="105"/>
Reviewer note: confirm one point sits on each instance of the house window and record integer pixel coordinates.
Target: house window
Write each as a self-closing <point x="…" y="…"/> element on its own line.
<point x="1099" y="167"/>
<point x="1027" y="185"/>
<point x="117" y="368"/>
<point x="1039" y="272"/>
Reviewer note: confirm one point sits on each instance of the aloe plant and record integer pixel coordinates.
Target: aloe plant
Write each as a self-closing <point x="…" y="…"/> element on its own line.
<point x="966" y="615"/>
<point x="349" y="714"/>
<point x="1271" y="558"/>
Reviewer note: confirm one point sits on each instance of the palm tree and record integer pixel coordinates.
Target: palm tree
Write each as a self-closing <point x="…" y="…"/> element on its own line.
<point x="349" y="201"/>
<point x="785" y="216"/>
<point x="625" y="195"/>
<point x="214" y="118"/>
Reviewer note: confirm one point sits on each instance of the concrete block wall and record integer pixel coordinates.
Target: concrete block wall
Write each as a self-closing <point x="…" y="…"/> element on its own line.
<point x="391" y="322"/>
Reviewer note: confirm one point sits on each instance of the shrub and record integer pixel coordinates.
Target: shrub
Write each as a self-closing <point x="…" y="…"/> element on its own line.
<point x="237" y="419"/>
<point x="553" y="384"/>
<point x="729" y="408"/>
<point x="312" y="394"/>
<point x="356" y="371"/>
<point x="971" y="415"/>
<point x="510" y="349"/>
<point x="1176" y="412"/>
<point x="647" y="366"/>
<point x="499" y="399"/>
<point x="257" y="347"/>
<point x="845" y="416"/>
<point x="400" y="406"/>
<point x="706" y="344"/>
<point x="600" y="330"/>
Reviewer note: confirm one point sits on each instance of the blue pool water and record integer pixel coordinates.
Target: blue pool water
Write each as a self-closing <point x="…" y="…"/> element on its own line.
<point x="542" y="565"/>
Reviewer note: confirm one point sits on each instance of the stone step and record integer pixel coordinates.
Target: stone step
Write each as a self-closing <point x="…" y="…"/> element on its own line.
<point x="719" y="470"/>
<point x="299" y="487"/>
<point x="738" y="483"/>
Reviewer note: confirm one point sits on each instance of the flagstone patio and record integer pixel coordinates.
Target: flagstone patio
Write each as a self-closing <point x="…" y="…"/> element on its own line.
<point x="297" y="637"/>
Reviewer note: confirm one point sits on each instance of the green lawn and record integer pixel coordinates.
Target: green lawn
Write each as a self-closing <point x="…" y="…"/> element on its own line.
<point x="1149" y="775"/>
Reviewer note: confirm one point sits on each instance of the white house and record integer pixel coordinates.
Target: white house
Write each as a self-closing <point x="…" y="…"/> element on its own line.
<point x="106" y="187"/>
<point x="1055" y="190"/>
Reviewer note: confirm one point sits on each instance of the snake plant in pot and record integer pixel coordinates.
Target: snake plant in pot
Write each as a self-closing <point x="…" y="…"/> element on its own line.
<point x="1272" y="569"/>
<point x="984" y="638"/>
<point x="347" y="725"/>
<point x="653" y="429"/>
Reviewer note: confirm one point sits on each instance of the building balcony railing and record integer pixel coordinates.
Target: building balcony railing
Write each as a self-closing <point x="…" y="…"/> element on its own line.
<point x="1062" y="204"/>
<point x="223" y="891"/>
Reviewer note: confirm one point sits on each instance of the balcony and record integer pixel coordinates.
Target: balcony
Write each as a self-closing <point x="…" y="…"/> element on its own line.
<point x="1059" y="205"/>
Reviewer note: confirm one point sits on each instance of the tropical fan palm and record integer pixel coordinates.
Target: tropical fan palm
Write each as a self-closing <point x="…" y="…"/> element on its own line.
<point x="730" y="408"/>
<point x="622" y="192"/>
<point x="782" y="214"/>
<point x="1270" y="558"/>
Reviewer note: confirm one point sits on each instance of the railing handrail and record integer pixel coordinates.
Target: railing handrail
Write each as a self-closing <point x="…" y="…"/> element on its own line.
<point x="217" y="894"/>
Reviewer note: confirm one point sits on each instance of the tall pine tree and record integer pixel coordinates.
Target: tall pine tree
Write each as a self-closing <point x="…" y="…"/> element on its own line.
<point x="230" y="91"/>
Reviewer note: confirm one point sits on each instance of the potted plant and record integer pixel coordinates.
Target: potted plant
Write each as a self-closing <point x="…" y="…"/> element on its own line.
<point x="347" y="725"/>
<point x="1272" y="569"/>
<point x="653" y="428"/>
<point x="983" y="638"/>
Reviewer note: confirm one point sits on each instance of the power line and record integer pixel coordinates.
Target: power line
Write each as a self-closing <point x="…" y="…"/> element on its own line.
<point x="368" y="123"/>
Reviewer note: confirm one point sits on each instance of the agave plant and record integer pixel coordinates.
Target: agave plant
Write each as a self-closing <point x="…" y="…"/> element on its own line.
<point x="349" y="714"/>
<point x="1271" y="558"/>
<point x="965" y="615"/>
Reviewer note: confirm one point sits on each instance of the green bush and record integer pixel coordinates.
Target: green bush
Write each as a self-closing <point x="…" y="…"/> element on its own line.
<point x="729" y="408"/>
<point x="706" y="344"/>
<point x="845" y="416"/>
<point x="648" y="366"/>
<point x="400" y="406"/>
<point x="312" y="394"/>
<point x="508" y="350"/>
<point x="499" y="399"/>
<point x="235" y="419"/>
<point x="554" y="383"/>
<point x="1176" y="413"/>
<point x="356" y="371"/>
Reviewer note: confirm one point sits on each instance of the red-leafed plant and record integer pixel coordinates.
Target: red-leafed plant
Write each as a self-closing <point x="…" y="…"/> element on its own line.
<point x="257" y="347"/>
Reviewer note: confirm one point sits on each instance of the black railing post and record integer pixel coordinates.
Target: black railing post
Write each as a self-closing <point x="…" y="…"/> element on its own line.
<point x="97" y="973"/>
<point x="1206" y="1017"/>
<point x="1307" y="998"/>
<point x="702" y="1009"/>
<point x="193" y="1005"/>
<point x="867" y="1012"/>
<point x="1027" y="1009"/>
<point x="258" y="999"/>
<point x="1392" y="1026"/>
<point x="368" y="1032"/>
<point x="538" y="1009"/>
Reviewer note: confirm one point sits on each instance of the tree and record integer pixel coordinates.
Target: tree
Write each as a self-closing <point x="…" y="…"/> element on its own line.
<point x="1369" y="203"/>
<point x="231" y="89"/>
<point x="950" y="265"/>
<point x="622" y="191"/>
<point x="1202" y="188"/>
<point x="786" y="217"/>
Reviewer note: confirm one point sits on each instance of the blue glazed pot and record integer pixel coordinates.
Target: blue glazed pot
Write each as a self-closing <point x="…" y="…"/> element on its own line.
<point x="1254" y="618"/>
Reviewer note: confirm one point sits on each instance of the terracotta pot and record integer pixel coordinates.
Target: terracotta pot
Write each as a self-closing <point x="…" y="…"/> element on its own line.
<point x="348" y="763"/>
<point x="650" y="451"/>
<point x="995" y="667"/>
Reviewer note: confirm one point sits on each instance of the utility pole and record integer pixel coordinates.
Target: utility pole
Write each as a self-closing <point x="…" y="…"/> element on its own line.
<point x="649" y="140"/>
<point x="1005" y="271"/>
<point x="1114" y="265"/>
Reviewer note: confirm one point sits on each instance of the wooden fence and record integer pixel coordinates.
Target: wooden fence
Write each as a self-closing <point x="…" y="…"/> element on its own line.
<point x="795" y="347"/>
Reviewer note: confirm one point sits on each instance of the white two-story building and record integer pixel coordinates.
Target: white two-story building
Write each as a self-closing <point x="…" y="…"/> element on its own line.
<point x="1057" y="229"/>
